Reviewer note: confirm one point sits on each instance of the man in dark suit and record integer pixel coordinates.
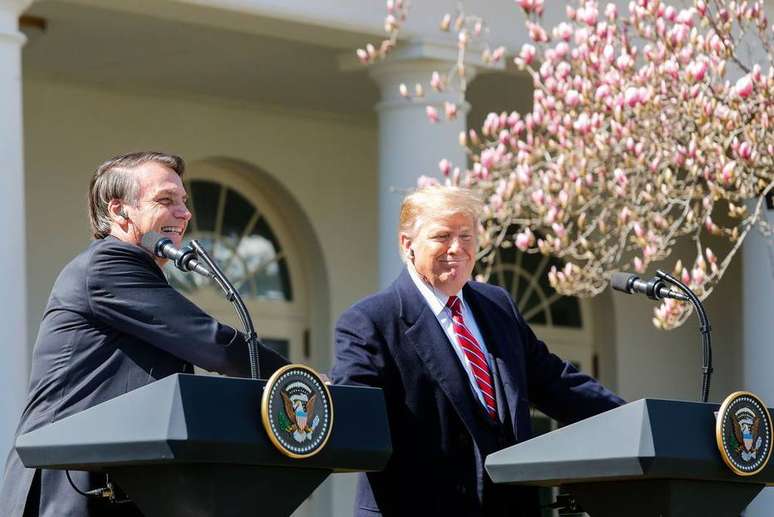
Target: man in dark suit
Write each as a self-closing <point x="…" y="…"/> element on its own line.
<point x="113" y="324"/>
<point x="459" y="368"/>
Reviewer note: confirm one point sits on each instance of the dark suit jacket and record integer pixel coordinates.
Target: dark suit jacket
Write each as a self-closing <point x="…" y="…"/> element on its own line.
<point x="440" y="432"/>
<point x="112" y="324"/>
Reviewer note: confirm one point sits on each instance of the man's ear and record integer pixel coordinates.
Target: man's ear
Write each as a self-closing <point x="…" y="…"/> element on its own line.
<point x="405" y="246"/>
<point x="117" y="211"/>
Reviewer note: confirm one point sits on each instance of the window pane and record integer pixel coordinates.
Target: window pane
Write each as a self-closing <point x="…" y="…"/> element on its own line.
<point x="515" y="271"/>
<point x="205" y="195"/>
<point x="236" y="214"/>
<point x="566" y="312"/>
<point x="254" y="263"/>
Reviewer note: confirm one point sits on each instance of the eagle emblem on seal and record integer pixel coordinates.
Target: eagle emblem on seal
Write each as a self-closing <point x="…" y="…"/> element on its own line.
<point x="298" y="412"/>
<point x="746" y="431"/>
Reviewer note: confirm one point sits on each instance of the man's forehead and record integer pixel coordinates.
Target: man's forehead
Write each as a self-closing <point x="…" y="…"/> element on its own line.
<point x="155" y="178"/>
<point x="431" y="221"/>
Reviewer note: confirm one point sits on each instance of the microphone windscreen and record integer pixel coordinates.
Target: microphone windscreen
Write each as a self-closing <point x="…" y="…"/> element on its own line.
<point x="149" y="242"/>
<point x="620" y="281"/>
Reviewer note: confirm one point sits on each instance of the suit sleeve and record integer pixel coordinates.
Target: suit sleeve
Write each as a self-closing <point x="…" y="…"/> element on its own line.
<point x="359" y="359"/>
<point x="128" y="292"/>
<point x="555" y="386"/>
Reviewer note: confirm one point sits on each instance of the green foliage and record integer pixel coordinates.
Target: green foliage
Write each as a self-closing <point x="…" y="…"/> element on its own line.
<point x="284" y="422"/>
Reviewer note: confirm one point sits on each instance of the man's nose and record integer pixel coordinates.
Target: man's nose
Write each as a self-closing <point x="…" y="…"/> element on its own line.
<point x="184" y="213"/>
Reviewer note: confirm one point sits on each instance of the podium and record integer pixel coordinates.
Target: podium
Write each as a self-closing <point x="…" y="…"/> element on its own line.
<point x="647" y="458"/>
<point x="190" y="445"/>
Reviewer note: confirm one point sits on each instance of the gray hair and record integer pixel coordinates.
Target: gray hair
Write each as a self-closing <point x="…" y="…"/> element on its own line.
<point x="114" y="180"/>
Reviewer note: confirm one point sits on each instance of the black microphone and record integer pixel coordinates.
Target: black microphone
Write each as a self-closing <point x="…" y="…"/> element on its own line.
<point x="184" y="258"/>
<point x="655" y="288"/>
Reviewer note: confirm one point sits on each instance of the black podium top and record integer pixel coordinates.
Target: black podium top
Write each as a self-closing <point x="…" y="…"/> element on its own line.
<point x="204" y="419"/>
<point x="646" y="439"/>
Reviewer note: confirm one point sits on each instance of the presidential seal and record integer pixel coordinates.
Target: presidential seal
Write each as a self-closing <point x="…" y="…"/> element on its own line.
<point x="743" y="433"/>
<point x="297" y="411"/>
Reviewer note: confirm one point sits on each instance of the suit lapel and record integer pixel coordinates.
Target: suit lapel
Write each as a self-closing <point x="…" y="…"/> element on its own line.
<point x="429" y="340"/>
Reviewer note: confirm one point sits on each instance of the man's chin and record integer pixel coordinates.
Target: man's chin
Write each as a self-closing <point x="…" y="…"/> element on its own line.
<point x="451" y="282"/>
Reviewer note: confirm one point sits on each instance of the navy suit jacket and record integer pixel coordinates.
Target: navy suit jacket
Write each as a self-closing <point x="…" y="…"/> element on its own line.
<point x="112" y="324"/>
<point x="441" y="434"/>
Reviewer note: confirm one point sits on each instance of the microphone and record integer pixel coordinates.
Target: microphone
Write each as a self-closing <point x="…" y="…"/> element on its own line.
<point x="184" y="258"/>
<point x="655" y="288"/>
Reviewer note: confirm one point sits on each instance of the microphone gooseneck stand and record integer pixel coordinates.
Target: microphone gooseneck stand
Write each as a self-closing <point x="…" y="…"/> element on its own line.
<point x="704" y="328"/>
<point x="232" y="295"/>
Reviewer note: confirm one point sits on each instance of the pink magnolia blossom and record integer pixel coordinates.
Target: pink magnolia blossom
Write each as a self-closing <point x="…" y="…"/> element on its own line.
<point x="572" y="98"/>
<point x="445" y="22"/>
<point x="697" y="276"/>
<point x="498" y="54"/>
<point x="632" y="96"/>
<point x="559" y="230"/>
<point x="527" y="5"/>
<point x="744" y="86"/>
<point x="582" y="123"/>
<point x="524" y="239"/>
<point x="527" y="53"/>
<point x="432" y="114"/>
<point x="538" y="197"/>
<point x="727" y="174"/>
<point x="436" y="82"/>
<point x="563" y="31"/>
<point x="537" y="33"/>
<point x="450" y="109"/>
<point x="488" y="158"/>
<point x="445" y="166"/>
<point x="697" y="70"/>
<point x="745" y="150"/>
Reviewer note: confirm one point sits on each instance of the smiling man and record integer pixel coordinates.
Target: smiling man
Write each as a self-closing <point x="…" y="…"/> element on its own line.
<point x="458" y="366"/>
<point x="113" y="324"/>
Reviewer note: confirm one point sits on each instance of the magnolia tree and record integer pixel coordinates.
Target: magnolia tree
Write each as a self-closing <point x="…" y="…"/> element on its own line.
<point x="637" y="138"/>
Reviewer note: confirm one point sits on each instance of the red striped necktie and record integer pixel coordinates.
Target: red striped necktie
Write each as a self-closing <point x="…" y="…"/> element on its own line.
<point x="475" y="355"/>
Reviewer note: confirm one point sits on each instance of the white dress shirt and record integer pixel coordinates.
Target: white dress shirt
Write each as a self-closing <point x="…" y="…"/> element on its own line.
<point x="437" y="303"/>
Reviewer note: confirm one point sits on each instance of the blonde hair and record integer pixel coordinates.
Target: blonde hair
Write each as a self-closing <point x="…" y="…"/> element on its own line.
<point x="438" y="201"/>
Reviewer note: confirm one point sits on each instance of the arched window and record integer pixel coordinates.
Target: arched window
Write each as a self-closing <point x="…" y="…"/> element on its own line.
<point x="240" y="238"/>
<point x="563" y="322"/>
<point x="239" y="226"/>
<point x="525" y="277"/>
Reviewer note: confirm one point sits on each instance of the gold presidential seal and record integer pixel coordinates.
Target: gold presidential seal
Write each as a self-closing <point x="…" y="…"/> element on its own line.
<point x="297" y="411"/>
<point x="743" y="433"/>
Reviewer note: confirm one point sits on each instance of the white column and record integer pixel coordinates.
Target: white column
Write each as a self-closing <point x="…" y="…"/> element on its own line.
<point x="758" y="333"/>
<point x="409" y="145"/>
<point x="13" y="289"/>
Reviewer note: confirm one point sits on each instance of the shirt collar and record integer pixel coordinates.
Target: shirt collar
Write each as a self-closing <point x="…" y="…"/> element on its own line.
<point x="434" y="298"/>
